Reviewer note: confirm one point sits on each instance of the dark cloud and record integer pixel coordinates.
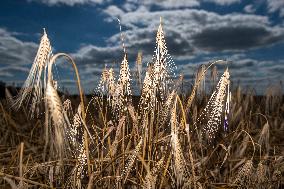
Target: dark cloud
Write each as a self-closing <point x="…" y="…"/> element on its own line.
<point x="142" y="40"/>
<point x="91" y="54"/>
<point x="14" y="51"/>
<point x="200" y="31"/>
<point x="235" y="38"/>
<point x="16" y="57"/>
<point x="248" y="72"/>
<point x="145" y="41"/>
<point x="278" y="69"/>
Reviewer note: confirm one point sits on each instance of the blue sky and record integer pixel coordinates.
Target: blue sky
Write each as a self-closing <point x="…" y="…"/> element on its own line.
<point x="250" y="34"/>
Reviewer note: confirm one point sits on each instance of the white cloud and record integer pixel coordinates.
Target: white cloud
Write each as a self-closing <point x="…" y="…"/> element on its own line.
<point x="132" y="5"/>
<point x="173" y="3"/>
<point x="224" y="2"/>
<point x="249" y="8"/>
<point x="113" y="11"/>
<point x="276" y="6"/>
<point x="166" y="4"/>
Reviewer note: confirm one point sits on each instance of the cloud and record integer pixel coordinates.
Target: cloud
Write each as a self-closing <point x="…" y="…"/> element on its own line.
<point x="15" y="56"/>
<point x="91" y="54"/>
<point x="131" y="5"/>
<point x="277" y="69"/>
<point x="237" y="38"/>
<point x="192" y="35"/>
<point x="14" y="68"/>
<point x="69" y="2"/>
<point x="200" y="30"/>
<point x="172" y="3"/>
<point x="223" y="2"/>
<point x="275" y="6"/>
<point x="11" y="72"/>
<point x="142" y="40"/>
<point x="14" y="51"/>
<point x="6" y="74"/>
<point x="249" y="8"/>
<point x="114" y="11"/>
<point x="248" y="72"/>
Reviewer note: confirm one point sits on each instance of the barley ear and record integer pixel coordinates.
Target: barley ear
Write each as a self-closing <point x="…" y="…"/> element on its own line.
<point x="131" y="160"/>
<point x="243" y="178"/>
<point x="33" y="86"/>
<point x="151" y="177"/>
<point x="260" y="174"/>
<point x="59" y="120"/>
<point x="179" y="162"/>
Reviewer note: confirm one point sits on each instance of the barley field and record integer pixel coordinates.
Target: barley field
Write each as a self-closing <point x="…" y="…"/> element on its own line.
<point x="211" y="135"/>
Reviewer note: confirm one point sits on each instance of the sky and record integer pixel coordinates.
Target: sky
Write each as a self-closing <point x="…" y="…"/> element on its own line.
<point x="248" y="34"/>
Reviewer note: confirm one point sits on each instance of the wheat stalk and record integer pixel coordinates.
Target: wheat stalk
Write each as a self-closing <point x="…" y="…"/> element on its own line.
<point x="139" y="69"/>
